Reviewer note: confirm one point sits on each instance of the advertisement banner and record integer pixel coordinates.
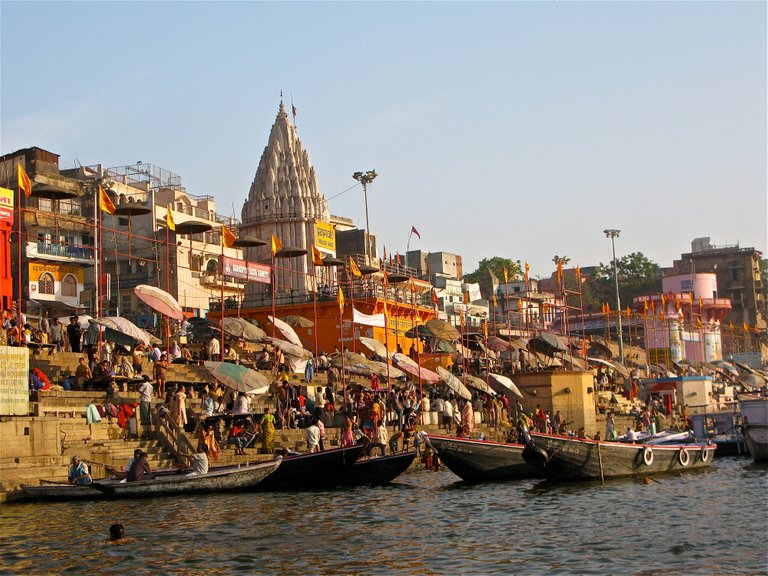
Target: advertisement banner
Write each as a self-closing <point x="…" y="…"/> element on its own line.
<point x="367" y="319"/>
<point x="58" y="271"/>
<point x="6" y="205"/>
<point x="325" y="237"/>
<point x="250" y="271"/>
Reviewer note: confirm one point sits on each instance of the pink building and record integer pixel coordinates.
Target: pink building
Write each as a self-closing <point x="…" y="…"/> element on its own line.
<point x="683" y="323"/>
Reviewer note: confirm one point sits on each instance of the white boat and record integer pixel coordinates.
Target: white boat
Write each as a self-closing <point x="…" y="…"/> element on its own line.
<point x="754" y="411"/>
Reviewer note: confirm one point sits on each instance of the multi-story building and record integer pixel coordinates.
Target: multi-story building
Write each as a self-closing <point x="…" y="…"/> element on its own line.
<point x="738" y="276"/>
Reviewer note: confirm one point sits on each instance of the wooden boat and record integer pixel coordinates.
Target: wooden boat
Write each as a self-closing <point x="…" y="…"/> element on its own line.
<point x="226" y="479"/>
<point x="49" y="491"/>
<point x="481" y="460"/>
<point x="324" y="469"/>
<point x="724" y="428"/>
<point x="567" y="458"/>
<point x="754" y="410"/>
<point x="378" y="470"/>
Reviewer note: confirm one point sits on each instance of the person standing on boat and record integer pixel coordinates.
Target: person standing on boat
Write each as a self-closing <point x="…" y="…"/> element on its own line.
<point x="448" y="414"/>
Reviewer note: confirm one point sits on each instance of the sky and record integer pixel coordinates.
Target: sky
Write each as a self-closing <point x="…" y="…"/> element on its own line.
<point x="511" y="129"/>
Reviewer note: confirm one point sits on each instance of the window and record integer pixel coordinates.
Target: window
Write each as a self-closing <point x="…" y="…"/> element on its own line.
<point x="69" y="286"/>
<point x="212" y="266"/>
<point x="45" y="284"/>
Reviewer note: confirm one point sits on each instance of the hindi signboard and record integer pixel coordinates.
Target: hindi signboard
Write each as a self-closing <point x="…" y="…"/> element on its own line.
<point x="325" y="237"/>
<point x="14" y="385"/>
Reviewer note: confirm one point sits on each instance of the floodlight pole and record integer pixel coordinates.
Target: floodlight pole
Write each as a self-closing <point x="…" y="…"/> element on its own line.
<point x="613" y="234"/>
<point x="366" y="178"/>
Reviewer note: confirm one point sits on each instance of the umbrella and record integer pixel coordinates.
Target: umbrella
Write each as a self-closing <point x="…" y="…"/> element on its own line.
<point x="446" y="347"/>
<point x="601" y="361"/>
<point x="159" y="300"/>
<point x="332" y="261"/>
<point x="547" y="343"/>
<point x="454" y="383"/>
<point x="359" y="364"/>
<point x="286" y="330"/>
<point x="397" y="277"/>
<point x="238" y="378"/>
<point x="192" y="227"/>
<point x="621" y="369"/>
<point x="248" y="241"/>
<point x="497" y="344"/>
<point x="728" y="367"/>
<point x="753" y="380"/>
<point x="122" y="331"/>
<point x="241" y="328"/>
<point x="289" y="348"/>
<point x="298" y="321"/>
<point x="374" y="346"/>
<point x="505" y="384"/>
<point x="577" y="363"/>
<point x="599" y="349"/>
<point x="477" y="383"/>
<point x="414" y="369"/>
<point x="290" y="252"/>
<point x="442" y="329"/>
<point x="419" y="331"/>
<point x="83" y="321"/>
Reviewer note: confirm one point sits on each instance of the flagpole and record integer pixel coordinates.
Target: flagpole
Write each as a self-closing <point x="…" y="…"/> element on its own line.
<point x="168" y="275"/>
<point x="221" y="271"/>
<point x="18" y="311"/>
<point x="314" y="309"/>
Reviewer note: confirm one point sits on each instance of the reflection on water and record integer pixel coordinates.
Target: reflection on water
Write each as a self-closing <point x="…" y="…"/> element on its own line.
<point x="428" y="523"/>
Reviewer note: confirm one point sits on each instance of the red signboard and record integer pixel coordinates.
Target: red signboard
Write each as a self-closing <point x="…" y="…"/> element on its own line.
<point x="250" y="271"/>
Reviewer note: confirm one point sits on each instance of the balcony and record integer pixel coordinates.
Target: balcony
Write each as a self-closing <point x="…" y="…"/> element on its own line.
<point x="60" y="252"/>
<point x="210" y="280"/>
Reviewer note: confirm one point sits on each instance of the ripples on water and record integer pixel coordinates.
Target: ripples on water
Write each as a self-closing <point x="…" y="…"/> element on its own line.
<point x="710" y="522"/>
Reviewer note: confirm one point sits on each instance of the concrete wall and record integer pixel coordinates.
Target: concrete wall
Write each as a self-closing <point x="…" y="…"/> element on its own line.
<point x="570" y="392"/>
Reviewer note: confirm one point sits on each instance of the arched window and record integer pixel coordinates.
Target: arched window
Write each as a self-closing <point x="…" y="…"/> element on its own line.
<point x="45" y="284"/>
<point x="69" y="286"/>
<point x="212" y="267"/>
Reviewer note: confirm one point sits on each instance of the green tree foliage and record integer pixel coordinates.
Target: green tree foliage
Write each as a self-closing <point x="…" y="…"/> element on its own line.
<point x="638" y="276"/>
<point x="495" y="265"/>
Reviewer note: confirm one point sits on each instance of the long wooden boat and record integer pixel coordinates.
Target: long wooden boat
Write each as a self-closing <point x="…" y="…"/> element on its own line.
<point x="324" y="469"/>
<point x="567" y="458"/>
<point x="226" y="479"/>
<point x="754" y="410"/>
<point x="50" y="491"/>
<point x="482" y="460"/>
<point x="378" y="470"/>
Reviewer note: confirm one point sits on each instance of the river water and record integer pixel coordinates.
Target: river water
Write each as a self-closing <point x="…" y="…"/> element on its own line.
<point x="707" y="522"/>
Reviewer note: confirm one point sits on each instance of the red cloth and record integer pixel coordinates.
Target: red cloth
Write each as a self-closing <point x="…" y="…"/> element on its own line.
<point x="43" y="378"/>
<point x="126" y="412"/>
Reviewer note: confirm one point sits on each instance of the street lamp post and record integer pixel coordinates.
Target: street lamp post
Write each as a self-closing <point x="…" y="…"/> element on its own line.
<point x="365" y="178"/>
<point x="613" y="234"/>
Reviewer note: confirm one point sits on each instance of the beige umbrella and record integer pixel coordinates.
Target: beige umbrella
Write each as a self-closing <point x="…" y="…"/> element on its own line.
<point x="505" y="385"/>
<point x="442" y="329"/>
<point x="374" y="346"/>
<point x="477" y="383"/>
<point x="454" y="383"/>
<point x="410" y="366"/>
<point x="286" y="330"/>
<point x="298" y="321"/>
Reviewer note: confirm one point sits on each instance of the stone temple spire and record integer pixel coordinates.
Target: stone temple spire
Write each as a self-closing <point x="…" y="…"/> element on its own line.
<point x="284" y="199"/>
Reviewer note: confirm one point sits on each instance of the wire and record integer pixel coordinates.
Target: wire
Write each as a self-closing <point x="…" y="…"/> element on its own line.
<point x="343" y="192"/>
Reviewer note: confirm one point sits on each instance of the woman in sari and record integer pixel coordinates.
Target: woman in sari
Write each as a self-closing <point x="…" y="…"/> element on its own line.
<point x="207" y="437"/>
<point x="267" y="424"/>
<point x="179" y="407"/>
<point x="467" y="418"/>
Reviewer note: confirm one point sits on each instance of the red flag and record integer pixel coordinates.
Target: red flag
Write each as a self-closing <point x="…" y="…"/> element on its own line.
<point x="385" y="253"/>
<point x="414" y="231"/>
<point x="397" y="258"/>
<point x="434" y="299"/>
<point x="386" y="278"/>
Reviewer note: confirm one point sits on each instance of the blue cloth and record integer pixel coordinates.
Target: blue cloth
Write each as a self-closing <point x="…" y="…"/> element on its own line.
<point x="92" y="414"/>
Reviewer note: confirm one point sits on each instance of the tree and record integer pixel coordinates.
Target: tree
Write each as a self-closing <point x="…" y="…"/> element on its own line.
<point x="638" y="276"/>
<point x="495" y="265"/>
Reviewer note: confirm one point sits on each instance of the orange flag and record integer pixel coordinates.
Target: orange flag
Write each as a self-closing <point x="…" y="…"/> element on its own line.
<point x="466" y="297"/>
<point x="276" y="244"/>
<point x="506" y="274"/>
<point x="105" y="202"/>
<point x="386" y="279"/>
<point x="354" y="268"/>
<point x="519" y="303"/>
<point x="169" y="219"/>
<point x="435" y="301"/>
<point x="386" y="310"/>
<point x="653" y="307"/>
<point x="24" y="183"/>
<point x="317" y="256"/>
<point x="578" y="271"/>
<point x="227" y="238"/>
<point x="495" y="302"/>
<point x="340" y="299"/>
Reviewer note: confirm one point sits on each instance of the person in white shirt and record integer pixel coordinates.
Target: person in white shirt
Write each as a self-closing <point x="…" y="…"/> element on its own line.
<point x="242" y="404"/>
<point x="199" y="461"/>
<point x="448" y="415"/>
<point x="313" y="437"/>
<point x="214" y="349"/>
<point x="146" y="390"/>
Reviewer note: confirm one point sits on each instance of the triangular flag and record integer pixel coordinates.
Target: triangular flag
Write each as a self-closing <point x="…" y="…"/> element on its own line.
<point x="105" y="202"/>
<point x="506" y="274"/>
<point x="276" y="244"/>
<point x="466" y="297"/>
<point x="227" y="237"/>
<point x="353" y="268"/>
<point x="414" y="231"/>
<point x="169" y="219"/>
<point x="578" y="271"/>
<point x="340" y="299"/>
<point x="317" y="256"/>
<point x="519" y="303"/>
<point x="435" y="301"/>
<point x="24" y="183"/>
<point x="384" y="257"/>
<point x="386" y="278"/>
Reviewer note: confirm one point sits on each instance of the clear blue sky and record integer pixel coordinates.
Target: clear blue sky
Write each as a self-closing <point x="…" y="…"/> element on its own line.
<point x="519" y="130"/>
